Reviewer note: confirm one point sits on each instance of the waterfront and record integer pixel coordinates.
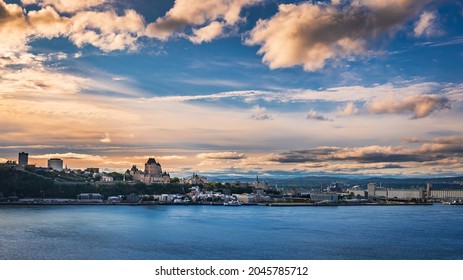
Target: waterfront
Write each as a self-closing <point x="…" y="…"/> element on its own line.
<point x="202" y="232"/>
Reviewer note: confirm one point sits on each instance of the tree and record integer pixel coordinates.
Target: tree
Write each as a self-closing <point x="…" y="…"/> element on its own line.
<point x="174" y="180"/>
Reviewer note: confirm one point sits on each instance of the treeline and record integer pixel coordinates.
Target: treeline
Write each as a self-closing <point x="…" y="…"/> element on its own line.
<point x="28" y="185"/>
<point x="23" y="184"/>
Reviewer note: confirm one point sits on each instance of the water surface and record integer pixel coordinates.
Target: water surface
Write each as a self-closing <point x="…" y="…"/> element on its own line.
<point x="246" y="232"/>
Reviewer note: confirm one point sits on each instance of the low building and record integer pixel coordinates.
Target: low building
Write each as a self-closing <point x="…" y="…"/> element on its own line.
<point x="106" y="178"/>
<point x="446" y="194"/>
<point x="90" y="198"/>
<point x="246" y="198"/>
<point x="197" y="180"/>
<point x="357" y="192"/>
<point x="405" y="194"/>
<point x="324" y="197"/>
<point x="133" y="198"/>
<point x="114" y="199"/>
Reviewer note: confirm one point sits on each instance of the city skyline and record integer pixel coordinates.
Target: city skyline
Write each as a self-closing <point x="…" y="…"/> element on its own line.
<point x="233" y="88"/>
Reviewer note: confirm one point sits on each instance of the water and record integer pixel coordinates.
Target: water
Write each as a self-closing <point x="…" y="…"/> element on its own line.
<point x="206" y="232"/>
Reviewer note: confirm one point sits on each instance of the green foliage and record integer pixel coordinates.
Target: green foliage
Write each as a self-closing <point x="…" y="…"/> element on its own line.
<point x="23" y="183"/>
<point x="117" y="176"/>
<point x="174" y="180"/>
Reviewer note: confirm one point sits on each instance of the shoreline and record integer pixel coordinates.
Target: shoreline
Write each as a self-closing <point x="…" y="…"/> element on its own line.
<point x="205" y="204"/>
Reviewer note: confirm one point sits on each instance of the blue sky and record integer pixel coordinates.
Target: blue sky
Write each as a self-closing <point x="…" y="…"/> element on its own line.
<point x="235" y="87"/>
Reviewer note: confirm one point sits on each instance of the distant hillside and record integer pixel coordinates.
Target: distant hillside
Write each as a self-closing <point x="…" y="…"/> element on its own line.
<point x="324" y="181"/>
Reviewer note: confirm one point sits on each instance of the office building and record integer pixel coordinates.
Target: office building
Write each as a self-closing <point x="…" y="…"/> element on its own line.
<point x="23" y="159"/>
<point x="55" y="164"/>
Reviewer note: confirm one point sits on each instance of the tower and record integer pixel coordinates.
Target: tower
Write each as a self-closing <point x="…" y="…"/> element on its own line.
<point x="153" y="168"/>
<point x="371" y="189"/>
<point x="23" y="159"/>
<point x="428" y="190"/>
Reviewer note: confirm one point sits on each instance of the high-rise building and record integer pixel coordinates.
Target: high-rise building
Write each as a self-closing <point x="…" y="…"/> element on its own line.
<point x="55" y="164"/>
<point x="23" y="159"/>
<point x="371" y="189"/>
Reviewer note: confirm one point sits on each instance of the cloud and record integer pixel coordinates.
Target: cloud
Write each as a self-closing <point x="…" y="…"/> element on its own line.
<point x="222" y="155"/>
<point x="207" y="33"/>
<point x="106" y="138"/>
<point x="427" y="26"/>
<point x="313" y="115"/>
<point x="171" y="157"/>
<point x="419" y="100"/>
<point x="209" y="19"/>
<point x="420" y="106"/>
<point x="310" y="34"/>
<point x="67" y="6"/>
<point x="69" y="156"/>
<point x="12" y="26"/>
<point x="348" y="110"/>
<point x="214" y="96"/>
<point x="106" y="30"/>
<point x="260" y="113"/>
<point x="440" y="149"/>
<point x="33" y="77"/>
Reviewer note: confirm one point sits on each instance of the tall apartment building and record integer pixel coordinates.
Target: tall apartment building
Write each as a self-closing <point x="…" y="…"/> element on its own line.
<point x="23" y="159"/>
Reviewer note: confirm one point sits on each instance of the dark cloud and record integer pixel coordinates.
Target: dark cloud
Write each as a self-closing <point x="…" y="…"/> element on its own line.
<point x="438" y="149"/>
<point x="421" y="106"/>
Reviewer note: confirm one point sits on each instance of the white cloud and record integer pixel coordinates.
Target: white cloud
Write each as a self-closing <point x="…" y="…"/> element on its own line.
<point x="310" y="34"/>
<point x="260" y="113"/>
<point x="418" y="99"/>
<point x="222" y="155"/>
<point x="348" y="110"/>
<point x="67" y="6"/>
<point x="69" y="156"/>
<point x="106" y="138"/>
<point x="208" y="19"/>
<point x="171" y="157"/>
<point x="214" y="96"/>
<point x="207" y="33"/>
<point x="106" y="30"/>
<point x="427" y="25"/>
<point x="313" y="115"/>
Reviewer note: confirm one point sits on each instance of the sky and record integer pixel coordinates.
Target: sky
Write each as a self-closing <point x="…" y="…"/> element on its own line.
<point x="235" y="87"/>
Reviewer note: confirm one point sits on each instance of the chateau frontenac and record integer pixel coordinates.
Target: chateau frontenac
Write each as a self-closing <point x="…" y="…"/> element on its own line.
<point x="152" y="174"/>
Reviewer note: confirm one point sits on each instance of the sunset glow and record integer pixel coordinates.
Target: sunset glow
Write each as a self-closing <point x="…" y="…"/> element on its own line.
<point x="235" y="88"/>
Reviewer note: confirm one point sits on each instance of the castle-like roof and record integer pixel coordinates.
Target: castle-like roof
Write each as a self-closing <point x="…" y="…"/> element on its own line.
<point x="151" y="161"/>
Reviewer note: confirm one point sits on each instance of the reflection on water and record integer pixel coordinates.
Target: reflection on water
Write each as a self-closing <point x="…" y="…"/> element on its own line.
<point x="205" y="232"/>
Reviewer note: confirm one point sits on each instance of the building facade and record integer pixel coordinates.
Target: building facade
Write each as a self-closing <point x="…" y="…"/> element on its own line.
<point x="55" y="164"/>
<point x="152" y="174"/>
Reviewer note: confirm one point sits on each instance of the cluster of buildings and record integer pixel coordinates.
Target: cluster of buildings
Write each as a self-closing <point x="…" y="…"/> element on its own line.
<point x="52" y="163"/>
<point x="373" y="192"/>
<point x="153" y="173"/>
